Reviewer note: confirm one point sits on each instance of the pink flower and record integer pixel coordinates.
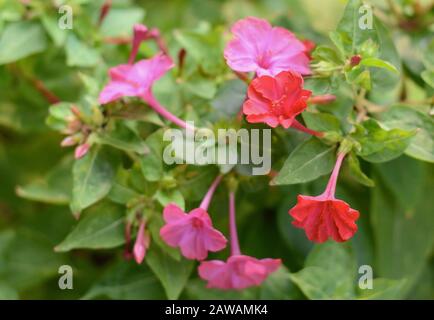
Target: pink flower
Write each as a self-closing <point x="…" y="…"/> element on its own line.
<point x="265" y="50"/>
<point x="142" y="243"/>
<point x="192" y="232"/>
<point x="276" y="100"/>
<point x="135" y="80"/>
<point x="238" y="272"/>
<point x="323" y="217"/>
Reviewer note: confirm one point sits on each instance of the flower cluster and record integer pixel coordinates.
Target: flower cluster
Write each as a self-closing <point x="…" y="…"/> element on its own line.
<point x="195" y="235"/>
<point x="275" y="97"/>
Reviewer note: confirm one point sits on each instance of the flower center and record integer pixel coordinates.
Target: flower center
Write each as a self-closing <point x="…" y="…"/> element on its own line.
<point x="264" y="59"/>
<point x="277" y="105"/>
<point x="197" y="223"/>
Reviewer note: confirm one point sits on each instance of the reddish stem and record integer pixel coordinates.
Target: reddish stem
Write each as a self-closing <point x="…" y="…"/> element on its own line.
<point x="209" y="194"/>
<point x="235" y="246"/>
<point x="330" y="190"/>
<point x="297" y="125"/>
<point x="154" y="104"/>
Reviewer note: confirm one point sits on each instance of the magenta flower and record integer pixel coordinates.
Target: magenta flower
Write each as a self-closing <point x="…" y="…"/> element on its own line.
<point x="239" y="271"/>
<point x="193" y="232"/>
<point x="142" y="243"/>
<point x="136" y="80"/>
<point x="265" y="50"/>
<point x="323" y="217"/>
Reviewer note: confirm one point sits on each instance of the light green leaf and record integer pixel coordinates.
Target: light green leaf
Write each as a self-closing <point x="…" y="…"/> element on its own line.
<point x="101" y="227"/>
<point x="124" y="138"/>
<point x="172" y="274"/>
<point x="384" y="289"/>
<point x="126" y="281"/>
<point x="92" y="179"/>
<point x="379" y="145"/>
<point x="230" y="97"/>
<point x="20" y="40"/>
<point x="322" y="122"/>
<point x="54" y="188"/>
<point x="375" y="62"/>
<point x="79" y="54"/>
<point x="406" y="118"/>
<point x="356" y="171"/>
<point x="120" y="21"/>
<point x="308" y="161"/>
<point x="152" y="163"/>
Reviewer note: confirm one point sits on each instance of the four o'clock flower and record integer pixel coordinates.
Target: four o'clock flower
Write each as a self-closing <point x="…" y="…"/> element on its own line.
<point x="265" y="50"/>
<point x="136" y="80"/>
<point x="277" y="101"/>
<point x="193" y="233"/>
<point x="239" y="271"/>
<point x="324" y="216"/>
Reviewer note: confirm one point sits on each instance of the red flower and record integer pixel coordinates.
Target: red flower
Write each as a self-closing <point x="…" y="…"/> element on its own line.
<point x="276" y="100"/>
<point x="324" y="217"/>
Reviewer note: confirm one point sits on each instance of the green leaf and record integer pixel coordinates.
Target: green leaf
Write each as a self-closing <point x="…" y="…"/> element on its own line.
<point x="20" y="40"/>
<point x="403" y="234"/>
<point x="101" y="227"/>
<point x="92" y="179"/>
<point x="230" y="97"/>
<point x="384" y="289"/>
<point x="172" y="274"/>
<point x="79" y="54"/>
<point x="164" y="197"/>
<point x="124" y="138"/>
<point x="352" y="35"/>
<point x="403" y="117"/>
<point x="328" y="274"/>
<point x="308" y="161"/>
<point x="7" y="292"/>
<point x="119" y="22"/>
<point x="54" y="188"/>
<point x="152" y="163"/>
<point x="356" y="171"/>
<point x="378" y="63"/>
<point x="428" y="77"/>
<point x="321" y="121"/>
<point x="126" y="281"/>
<point x="201" y="87"/>
<point x="278" y="286"/>
<point x="379" y="145"/>
<point x="51" y="26"/>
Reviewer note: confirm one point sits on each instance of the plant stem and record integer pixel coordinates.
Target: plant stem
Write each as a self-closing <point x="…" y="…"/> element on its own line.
<point x="297" y="125"/>
<point x="208" y="196"/>
<point x="235" y="246"/>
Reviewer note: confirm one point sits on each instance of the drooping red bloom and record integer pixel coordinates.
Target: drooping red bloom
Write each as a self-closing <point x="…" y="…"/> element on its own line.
<point x="276" y="100"/>
<point x="323" y="217"/>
